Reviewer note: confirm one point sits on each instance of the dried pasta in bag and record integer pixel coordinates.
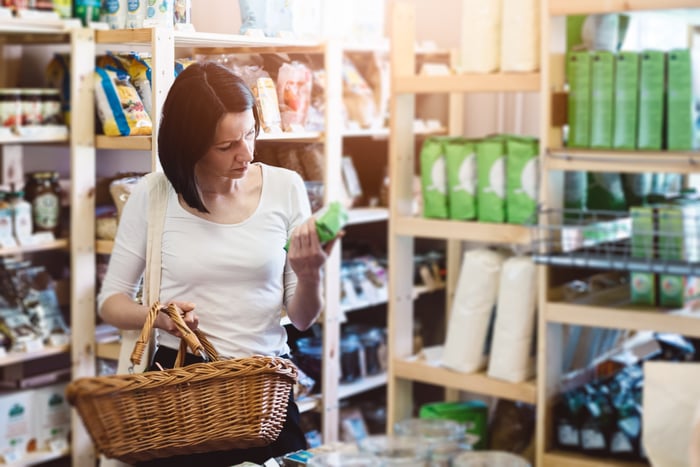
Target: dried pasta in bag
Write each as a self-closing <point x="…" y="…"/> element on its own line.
<point x="119" y="107"/>
<point x="138" y="66"/>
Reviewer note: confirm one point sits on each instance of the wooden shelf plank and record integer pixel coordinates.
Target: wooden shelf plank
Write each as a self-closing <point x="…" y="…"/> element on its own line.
<point x="479" y="383"/>
<point x="241" y="43"/>
<point x="366" y="215"/>
<point x="291" y="137"/>
<point x="13" y="358"/>
<point x="124" y="36"/>
<point x="36" y="458"/>
<point x="108" y="350"/>
<point x="34" y="134"/>
<point x="461" y="230"/>
<point x="60" y="244"/>
<point x="610" y="160"/>
<point x="308" y="403"/>
<point x="104" y="247"/>
<point x="487" y="82"/>
<point x="633" y="318"/>
<point x="592" y="7"/>
<point x="365" y="384"/>
<point x="561" y="458"/>
<point x="125" y="143"/>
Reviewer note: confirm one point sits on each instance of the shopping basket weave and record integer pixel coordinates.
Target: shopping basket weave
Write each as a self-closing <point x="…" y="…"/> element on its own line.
<point x="212" y="406"/>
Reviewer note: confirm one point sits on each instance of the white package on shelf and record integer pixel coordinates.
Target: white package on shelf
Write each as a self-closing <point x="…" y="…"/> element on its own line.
<point x="475" y="298"/>
<point x="520" y="35"/>
<point x="481" y="36"/>
<point x="511" y="357"/>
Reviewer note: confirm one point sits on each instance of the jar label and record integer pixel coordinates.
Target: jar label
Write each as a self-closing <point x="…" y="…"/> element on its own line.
<point x="46" y="208"/>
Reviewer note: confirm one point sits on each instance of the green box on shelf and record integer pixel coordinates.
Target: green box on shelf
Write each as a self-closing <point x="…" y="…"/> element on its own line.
<point x="625" y="113"/>
<point x="679" y="231"/>
<point x="433" y="175"/>
<point x="521" y="179"/>
<point x="460" y="158"/>
<point x="578" y="75"/>
<point x="491" y="179"/>
<point x="602" y="82"/>
<point x="643" y="285"/>
<point x="679" y="101"/>
<point x="651" y="99"/>
<point x="473" y="414"/>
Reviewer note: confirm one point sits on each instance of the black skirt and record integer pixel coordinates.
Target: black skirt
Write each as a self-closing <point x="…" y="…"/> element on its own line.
<point x="290" y="439"/>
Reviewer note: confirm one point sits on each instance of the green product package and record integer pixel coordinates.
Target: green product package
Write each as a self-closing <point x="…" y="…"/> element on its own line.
<point x="330" y="220"/>
<point x="460" y="158"/>
<point x="679" y="101"/>
<point x="433" y="176"/>
<point x="575" y="192"/>
<point x="473" y="414"/>
<point x="626" y="100"/>
<point x="578" y="75"/>
<point x="88" y="11"/>
<point x="678" y="234"/>
<point x="637" y="187"/>
<point x="491" y="183"/>
<point x="651" y="100"/>
<point x="602" y="80"/>
<point x="522" y="179"/>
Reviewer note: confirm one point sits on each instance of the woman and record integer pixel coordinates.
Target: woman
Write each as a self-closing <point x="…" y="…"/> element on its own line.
<point x="223" y="259"/>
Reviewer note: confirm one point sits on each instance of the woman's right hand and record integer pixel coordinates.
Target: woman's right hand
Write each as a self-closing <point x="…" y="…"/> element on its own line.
<point x="186" y="310"/>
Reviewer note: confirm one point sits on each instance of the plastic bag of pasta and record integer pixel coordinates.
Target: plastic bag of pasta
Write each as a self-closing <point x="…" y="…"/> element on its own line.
<point x="119" y="107"/>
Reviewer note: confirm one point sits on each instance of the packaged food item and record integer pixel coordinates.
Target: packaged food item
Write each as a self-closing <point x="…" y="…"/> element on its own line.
<point x="138" y="65"/>
<point x="114" y="13"/>
<point x="294" y="95"/>
<point x="58" y="77"/>
<point x="88" y="11"/>
<point x="135" y="13"/>
<point x="44" y="193"/>
<point x="119" y="106"/>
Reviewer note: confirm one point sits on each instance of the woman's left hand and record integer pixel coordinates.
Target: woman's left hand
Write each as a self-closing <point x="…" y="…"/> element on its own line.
<point x="306" y="254"/>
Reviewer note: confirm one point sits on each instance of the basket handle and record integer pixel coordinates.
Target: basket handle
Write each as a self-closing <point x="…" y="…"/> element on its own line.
<point x="195" y="340"/>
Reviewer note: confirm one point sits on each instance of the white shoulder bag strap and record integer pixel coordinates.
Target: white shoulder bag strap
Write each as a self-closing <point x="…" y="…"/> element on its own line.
<point x="157" y="202"/>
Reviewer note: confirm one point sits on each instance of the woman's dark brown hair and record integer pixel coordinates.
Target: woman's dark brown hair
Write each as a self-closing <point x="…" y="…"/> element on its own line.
<point x="200" y="95"/>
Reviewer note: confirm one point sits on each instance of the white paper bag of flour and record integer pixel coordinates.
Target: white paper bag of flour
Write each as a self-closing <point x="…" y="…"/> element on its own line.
<point x="511" y="357"/>
<point x="472" y="308"/>
<point x="520" y="35"/>
<point x="481" y="36"/>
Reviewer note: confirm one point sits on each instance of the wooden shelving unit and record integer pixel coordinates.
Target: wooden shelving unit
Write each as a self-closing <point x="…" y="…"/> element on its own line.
<point x="404" y="227"/>
<point x="554" y="315"/>
<point x="81" y="197"/>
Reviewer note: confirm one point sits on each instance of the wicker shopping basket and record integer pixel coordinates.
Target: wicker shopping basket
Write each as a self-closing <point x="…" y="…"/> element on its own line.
<point x="213" y="406"/>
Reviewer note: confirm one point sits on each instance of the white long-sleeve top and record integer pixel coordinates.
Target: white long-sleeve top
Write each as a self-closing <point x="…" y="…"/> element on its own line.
<point x="235" y="274"/>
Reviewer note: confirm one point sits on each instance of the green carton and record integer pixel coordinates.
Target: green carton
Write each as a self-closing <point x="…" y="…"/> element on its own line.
<point x="651" y="100"/>
<point x="626" y="100"/>
<point x="522" y="179"/>
<point x="679" y="101"/>
<point x="460" y="157"/>
<point x="578" y="74"/>
<point x="491" y="179"/>
<point x="602" y="80"/>
<point x="473" y="414"/>
<point x="433" y="175"/>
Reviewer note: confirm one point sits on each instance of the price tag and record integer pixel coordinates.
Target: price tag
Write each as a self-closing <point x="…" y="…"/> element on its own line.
<point x="33" y="345"/>
<point x="58" y="445"/>
<point x="12" y="455"/>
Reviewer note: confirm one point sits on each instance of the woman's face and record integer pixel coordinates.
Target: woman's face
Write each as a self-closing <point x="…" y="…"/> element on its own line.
<point x="232" y="151"/>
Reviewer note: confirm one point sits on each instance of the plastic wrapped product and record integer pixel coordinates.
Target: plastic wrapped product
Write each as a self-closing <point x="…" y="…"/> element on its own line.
<point x="119" y="106"/>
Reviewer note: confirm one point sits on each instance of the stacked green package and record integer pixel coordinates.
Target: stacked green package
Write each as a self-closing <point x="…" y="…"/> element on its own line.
<point x="602" y="81"/>
<point x="522" y="179"/>
<point x="460" y="157"/>
<point x="651" y="100"/>
<point x="433" y="176"/>
<point x="626" y="100"/>
<point x="578" y="74"/>
<point x="491" y="179"/>
<point x="643" y="284"/>
<point x="680" y="133"/>
<point x="679" y="231"/>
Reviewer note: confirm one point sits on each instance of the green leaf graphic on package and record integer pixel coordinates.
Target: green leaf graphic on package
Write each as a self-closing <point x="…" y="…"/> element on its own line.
<point x="329" y="221"/>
